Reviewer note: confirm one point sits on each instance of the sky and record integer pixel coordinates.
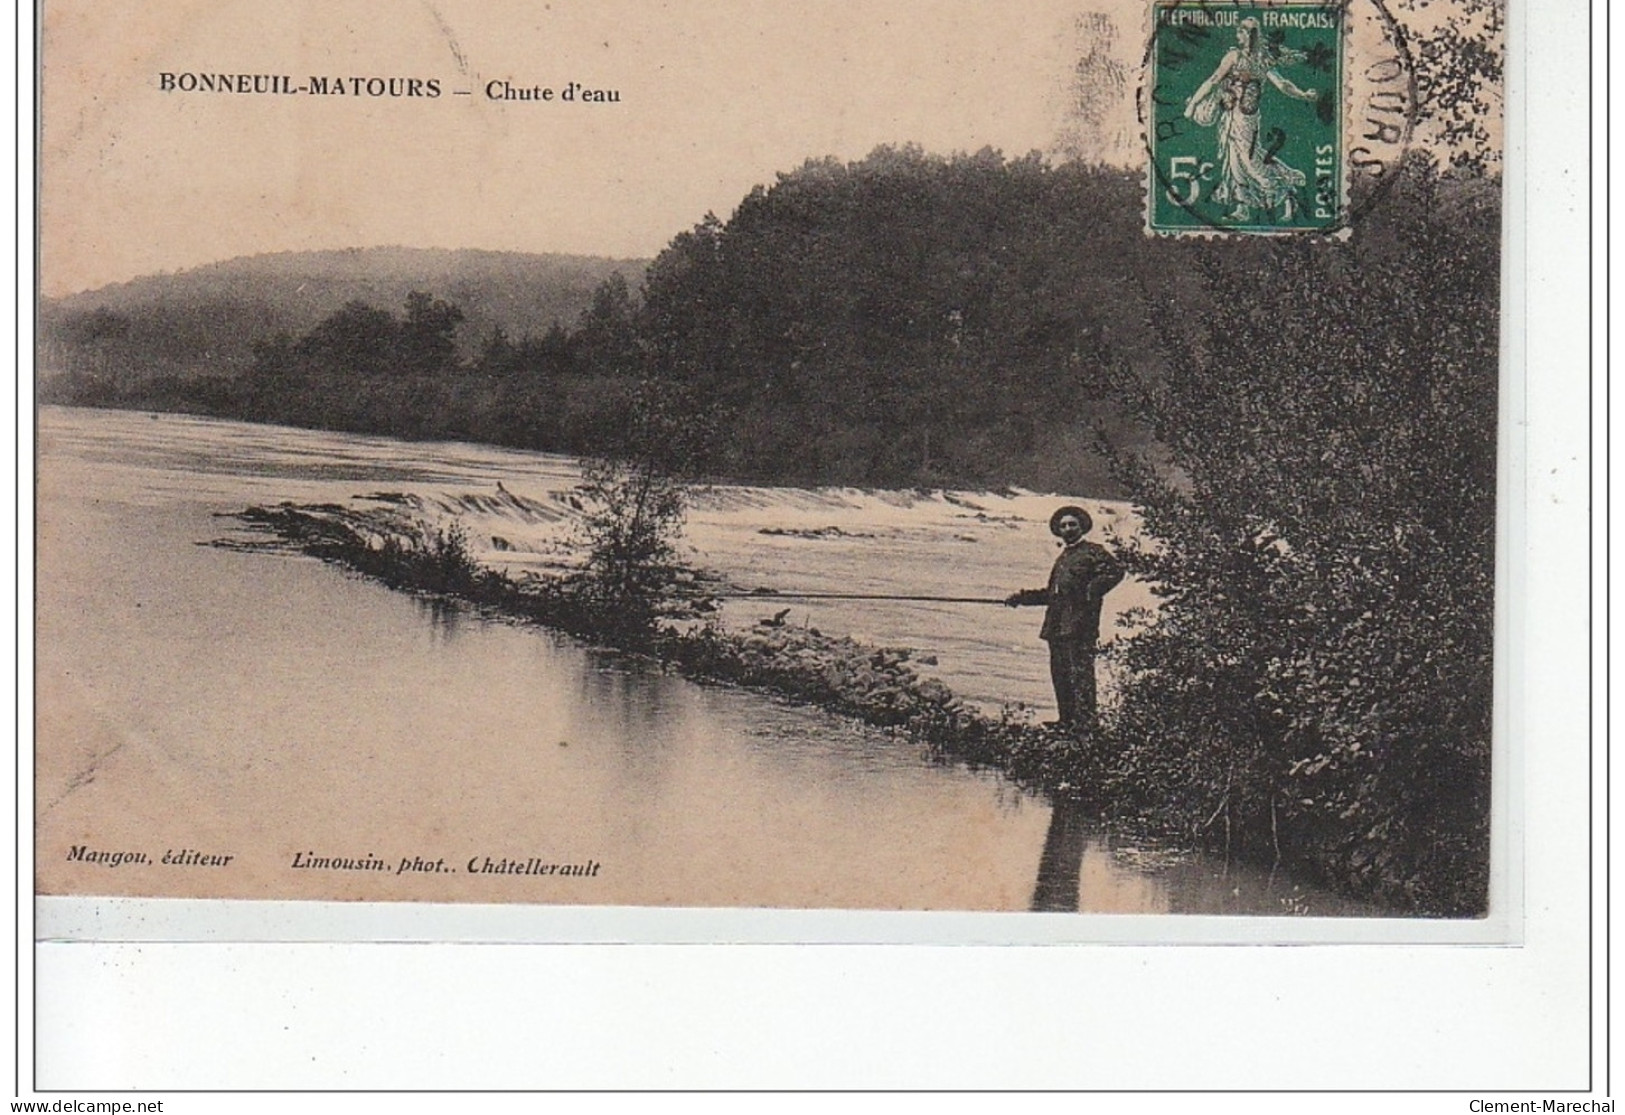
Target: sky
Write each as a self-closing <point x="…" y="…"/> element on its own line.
<point x="715" y="97"/>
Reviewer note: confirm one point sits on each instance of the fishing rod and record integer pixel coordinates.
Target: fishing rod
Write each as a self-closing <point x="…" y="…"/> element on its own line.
<point x="775" y="594"/>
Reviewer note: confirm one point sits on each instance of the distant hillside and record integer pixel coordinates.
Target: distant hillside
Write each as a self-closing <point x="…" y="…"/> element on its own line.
<point x="204" y="322"/>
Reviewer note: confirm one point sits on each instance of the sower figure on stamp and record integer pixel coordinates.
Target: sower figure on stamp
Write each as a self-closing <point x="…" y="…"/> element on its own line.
<point x="1082" y="576"/>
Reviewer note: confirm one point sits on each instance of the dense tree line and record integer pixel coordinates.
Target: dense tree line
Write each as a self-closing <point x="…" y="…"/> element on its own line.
<point x="906" y="319"/>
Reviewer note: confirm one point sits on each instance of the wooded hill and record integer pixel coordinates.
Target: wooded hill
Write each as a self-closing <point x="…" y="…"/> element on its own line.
<point x="171" y="338"/>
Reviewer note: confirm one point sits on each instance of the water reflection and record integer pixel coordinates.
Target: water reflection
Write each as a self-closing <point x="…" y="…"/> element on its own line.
<point x="445" y="618"/>
<point x="1082" y="867"/>
<point x="636" y="693"/>
<point x="1060" y="865"/>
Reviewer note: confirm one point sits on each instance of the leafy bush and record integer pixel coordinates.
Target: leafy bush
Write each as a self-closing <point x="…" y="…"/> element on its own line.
<point x="632" y="519"/>
<point x="1317" y="682"/>
<point x="635" y="498"/>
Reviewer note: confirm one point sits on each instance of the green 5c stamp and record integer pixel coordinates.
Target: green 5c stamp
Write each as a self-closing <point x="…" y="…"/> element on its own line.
<point x="1244" y="120"/>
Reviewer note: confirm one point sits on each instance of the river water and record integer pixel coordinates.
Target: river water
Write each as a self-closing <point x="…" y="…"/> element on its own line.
<point x="264" y="719"/>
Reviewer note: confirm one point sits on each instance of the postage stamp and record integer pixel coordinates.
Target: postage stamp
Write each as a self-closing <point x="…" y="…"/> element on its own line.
<point x="688" y="472"/>
<point x="1245" y="120"/>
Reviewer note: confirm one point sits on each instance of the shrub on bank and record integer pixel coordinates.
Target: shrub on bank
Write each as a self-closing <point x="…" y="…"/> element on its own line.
<point x="1315" y="685"/>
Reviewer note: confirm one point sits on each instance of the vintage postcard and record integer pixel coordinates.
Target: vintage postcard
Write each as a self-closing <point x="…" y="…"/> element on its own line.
<point x="929" y="455"/>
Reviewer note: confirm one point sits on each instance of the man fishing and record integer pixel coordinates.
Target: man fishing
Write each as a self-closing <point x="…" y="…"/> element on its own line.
<point x="1082" y="576"/>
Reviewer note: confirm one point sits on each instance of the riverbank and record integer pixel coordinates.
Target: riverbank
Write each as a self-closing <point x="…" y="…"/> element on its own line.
<point x="877" y="685"/>
<point x="1092" y="774"/>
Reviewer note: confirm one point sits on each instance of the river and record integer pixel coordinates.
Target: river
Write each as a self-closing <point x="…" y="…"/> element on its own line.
<point x="279" y="728"/>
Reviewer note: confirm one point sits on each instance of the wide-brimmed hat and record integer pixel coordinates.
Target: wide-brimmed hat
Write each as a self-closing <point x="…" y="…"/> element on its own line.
<point x="1077" y="512"/>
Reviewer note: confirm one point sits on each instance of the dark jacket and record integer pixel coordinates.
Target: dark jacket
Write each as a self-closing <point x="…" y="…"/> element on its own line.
<point x="1082" y="576"/>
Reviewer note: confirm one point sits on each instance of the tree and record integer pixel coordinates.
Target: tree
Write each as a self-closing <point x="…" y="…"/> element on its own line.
<point x="606" y="339"/>
<point x="1460" y="77"/>
<point x="355" y="339"/>
<point x="635" y="499"/>
<point x="427" y="340"/>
